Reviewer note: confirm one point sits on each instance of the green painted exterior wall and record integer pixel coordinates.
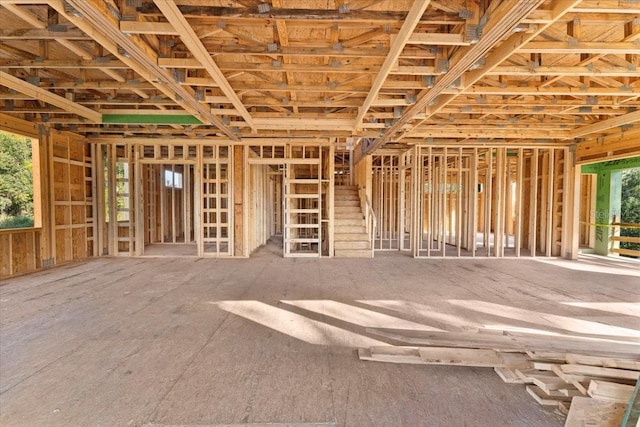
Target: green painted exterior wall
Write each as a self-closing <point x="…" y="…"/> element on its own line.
<point x="631" y="162"/>
<point x="608" y="205"/>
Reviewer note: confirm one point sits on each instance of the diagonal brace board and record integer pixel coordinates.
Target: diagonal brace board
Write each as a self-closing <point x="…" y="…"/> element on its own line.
<point x="51" y="98"/>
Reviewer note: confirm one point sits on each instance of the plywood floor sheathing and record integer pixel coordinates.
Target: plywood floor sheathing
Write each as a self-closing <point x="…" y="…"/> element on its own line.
<point x="188" y="341"/>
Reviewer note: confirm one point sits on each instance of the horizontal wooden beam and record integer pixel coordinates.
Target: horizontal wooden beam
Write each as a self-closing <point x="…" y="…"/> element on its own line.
<point x="150" y="117"/>
<point x="604" y="125"/>
<point x="145" y="27"/>
<point x="303" y="124"/>
<point x="576" y="71"/>
<point x="494" y="133"/>
<point x="307" y="15"/>
<point x="337" y="68"/>
<point x="36" y="92"/>
<point x="62" y="64"/>
<point x="42" y="34"/>
<point x="611" y="147"/>
<point x="593" y="48"/>
<point x="438" y="39"/>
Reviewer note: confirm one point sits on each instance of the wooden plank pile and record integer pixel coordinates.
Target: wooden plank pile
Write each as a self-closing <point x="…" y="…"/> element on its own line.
<point x="590" y="381"/>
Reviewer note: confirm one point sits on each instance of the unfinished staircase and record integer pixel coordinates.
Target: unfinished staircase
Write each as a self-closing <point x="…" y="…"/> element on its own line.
<point x="350" y="232"/>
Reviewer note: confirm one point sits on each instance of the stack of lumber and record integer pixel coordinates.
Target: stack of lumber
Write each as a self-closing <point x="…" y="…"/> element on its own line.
<point x="591" y="381"/>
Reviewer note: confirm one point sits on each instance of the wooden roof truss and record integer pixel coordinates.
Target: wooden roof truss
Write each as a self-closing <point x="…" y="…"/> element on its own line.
<point x="389" y="73"/>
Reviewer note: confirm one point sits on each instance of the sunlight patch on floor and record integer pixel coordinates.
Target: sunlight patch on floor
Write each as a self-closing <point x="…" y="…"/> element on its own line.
<point x="358" y="316"/>
<point x="547" y="320"/>
<point x="295" y="325"/>
<point x="425" y="311"/>
<point x="624" y="308"/>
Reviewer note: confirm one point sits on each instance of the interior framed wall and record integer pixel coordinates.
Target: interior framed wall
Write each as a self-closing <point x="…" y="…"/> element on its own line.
<point x="446" y="201"/>
<point x="296" y="179"/>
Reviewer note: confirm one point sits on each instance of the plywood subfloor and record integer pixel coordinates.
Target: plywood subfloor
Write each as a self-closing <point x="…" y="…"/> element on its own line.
<point x="190" y="341"/>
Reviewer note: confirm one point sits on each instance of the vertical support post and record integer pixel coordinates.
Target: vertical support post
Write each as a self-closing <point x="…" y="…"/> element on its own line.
<point x="98" y="199"/>
<point x="489" y="203"/>
<point x="474" y="203"/>
<point x="238" y="199"/>
<point x="509" y="202"/>
<point x="113" y="215"/>
<point x="247" y="221"/>
<point x="331" y="194"/>
<point x="459" y="204"/>
<point x="138" y="203"/>
<point x="417" y="186"/>
<point x="401" y="198"/>
<point x="571" y="213"/>
<point x="550" y="205"/>
<point x="47" y="236"/>
<point x="534" y="202"/>
<point x="198" y="231"/>
<point x="94" y="199"/>
<point x="163" y="207"/>
<point x="519" y="186"/>
<point x="186" y="201"/>
<point x="431" y="195"/>
<point x="319" y="207"/>
<point x="498" y="236"/>
<point x="443" y="210"/>
<point x="173" y="204"/>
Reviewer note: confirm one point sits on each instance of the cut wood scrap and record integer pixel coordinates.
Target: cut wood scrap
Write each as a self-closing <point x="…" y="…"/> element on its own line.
<point x="542" y="398"/>
<point x="598" y="371"/>
<point x="543" y="366"/>
<point x="391" y="354"/>
<point x="580" y="383"/>
<point x="563" y="408"/>
<point x="586" y="411"/>
<point x="509" y="376"/>
<point x="550" y="385"/>
<point x="528" y="375"/>
<point x="513" y="342"/>
<point x="548" y="356"/>
<point x="612" y="392"/>
<point x="571" y="392"/>
<point x="472" y="357"/>
<point x="443" y="356"/>
<point x="607" y="362"/>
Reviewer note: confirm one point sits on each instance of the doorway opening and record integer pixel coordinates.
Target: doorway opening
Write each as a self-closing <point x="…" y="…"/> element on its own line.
<point x="169" y="210"/>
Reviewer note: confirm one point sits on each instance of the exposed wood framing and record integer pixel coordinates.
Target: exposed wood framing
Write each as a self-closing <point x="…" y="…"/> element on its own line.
<point x="464" y="120"/>
<point x="410" y="22"/>
<point x="35" y="92"/>
<point x="193" y="43"/>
